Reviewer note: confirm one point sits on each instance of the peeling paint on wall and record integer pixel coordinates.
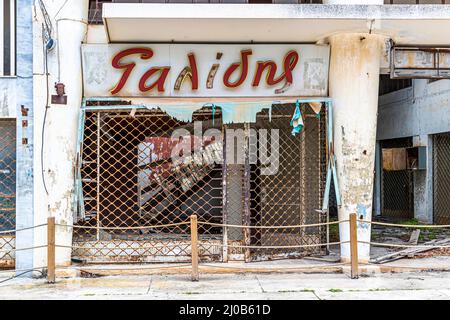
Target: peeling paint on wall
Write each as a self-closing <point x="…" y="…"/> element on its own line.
<point x="7" y="97"/>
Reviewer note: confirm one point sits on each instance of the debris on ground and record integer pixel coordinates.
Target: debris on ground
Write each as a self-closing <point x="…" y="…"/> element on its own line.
<point x="411" y="252"/>
<point x="414" y="239"/>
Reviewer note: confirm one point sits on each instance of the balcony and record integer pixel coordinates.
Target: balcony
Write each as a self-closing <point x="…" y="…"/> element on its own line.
<point x="95" y="6"/>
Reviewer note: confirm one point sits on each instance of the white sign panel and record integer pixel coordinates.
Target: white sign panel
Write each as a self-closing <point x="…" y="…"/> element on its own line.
<point x="196" y="70"/>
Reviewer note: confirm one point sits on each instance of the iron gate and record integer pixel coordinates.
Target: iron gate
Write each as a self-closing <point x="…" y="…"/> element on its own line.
<point x="129" y="181"/>
<point x="397" y="187"/>
<point x="441" y="178"/>
<point x="7" y="190"/>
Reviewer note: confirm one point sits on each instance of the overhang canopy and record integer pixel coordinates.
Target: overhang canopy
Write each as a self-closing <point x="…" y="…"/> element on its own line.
<point x="405" y="24"/>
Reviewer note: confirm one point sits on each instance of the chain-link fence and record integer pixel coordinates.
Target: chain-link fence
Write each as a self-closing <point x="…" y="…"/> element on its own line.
<point x="129" y="181"/>
<point x="397" y="187"/>
<point x="7" y="191"/>
<point x="441" y="178"/>
<point x="293" y="194"/>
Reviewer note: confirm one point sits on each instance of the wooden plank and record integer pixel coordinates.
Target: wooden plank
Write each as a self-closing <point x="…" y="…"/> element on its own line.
<point x="414" y="239"/>
<point x="394" y="159"/>
<point x="354" y="246"/>
<point x="194" y="247"/>
<point x="51" y="250"/>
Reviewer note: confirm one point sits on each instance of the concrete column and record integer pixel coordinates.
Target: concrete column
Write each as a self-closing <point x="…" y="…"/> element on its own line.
<point x="69" y="21"/>
<point x="354" y="79"/>
<point x="423" y="183"/>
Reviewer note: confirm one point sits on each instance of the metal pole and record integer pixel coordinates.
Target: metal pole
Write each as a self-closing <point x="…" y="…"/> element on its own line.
<point x="194" y="247"/>
<point x="51" y="250"/>
<point x="353" y="246"/>
<point x="98" y="174"/>
<point x="224" y="196"/>
<point x="247" y="220"/>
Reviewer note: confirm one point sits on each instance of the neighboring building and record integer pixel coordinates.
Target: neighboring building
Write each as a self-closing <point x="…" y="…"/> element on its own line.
<point x="113" y="80"/>
<point x="421" y="193"/>
<point x="16" y="129"/>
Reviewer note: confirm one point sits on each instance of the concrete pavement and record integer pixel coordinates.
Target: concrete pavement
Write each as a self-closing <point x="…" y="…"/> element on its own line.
<point x="434" y="285"/>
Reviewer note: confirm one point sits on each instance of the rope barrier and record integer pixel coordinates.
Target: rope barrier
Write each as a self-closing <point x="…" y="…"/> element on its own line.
<point x="411" y="226"/>
<point x="86" y="269"/>
<point x="393" y="245"/>
<point x="21" y="270"/>
<point x="124" y="228"/>
<point x="275" y="267"/>
<point x="421" y="268"/>
<point x="127" y="248"/>
<point x="206" y="223"/>
<point x="23" y="249"/>
<point x="273" y="247"/>
<point x="23" y="229"/>
<point x="271" y="227"/>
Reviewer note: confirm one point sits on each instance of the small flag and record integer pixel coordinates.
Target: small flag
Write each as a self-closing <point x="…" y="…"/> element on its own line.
<point x="297" y="120"/>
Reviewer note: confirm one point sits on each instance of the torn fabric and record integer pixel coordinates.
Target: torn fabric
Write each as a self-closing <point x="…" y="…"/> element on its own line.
<point x="297" y="120"/>
<point x="232" y="112"/>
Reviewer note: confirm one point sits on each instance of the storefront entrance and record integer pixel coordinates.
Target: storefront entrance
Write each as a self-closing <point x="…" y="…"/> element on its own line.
<point x="134" y="200"/>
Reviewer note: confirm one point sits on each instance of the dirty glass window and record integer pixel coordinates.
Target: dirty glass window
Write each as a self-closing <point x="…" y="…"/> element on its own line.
<point x="7" y="37"/>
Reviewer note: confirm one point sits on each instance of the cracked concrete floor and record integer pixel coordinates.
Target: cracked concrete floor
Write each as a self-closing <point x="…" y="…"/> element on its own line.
<point x="235" y="287"/>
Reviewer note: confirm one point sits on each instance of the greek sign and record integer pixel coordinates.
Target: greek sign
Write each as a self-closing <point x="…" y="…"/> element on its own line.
<point x="205" y="70"/>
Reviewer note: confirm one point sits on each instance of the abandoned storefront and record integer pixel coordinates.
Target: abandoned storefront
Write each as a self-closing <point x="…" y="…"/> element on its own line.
<point x="252" y="152"/>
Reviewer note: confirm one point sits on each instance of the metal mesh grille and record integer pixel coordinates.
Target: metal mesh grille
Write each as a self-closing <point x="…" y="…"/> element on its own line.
<point x="441" y="176"/>
<point x="7" y="190"/>
<point x="130" y="181"/>
<point x="293" y="195"/>
<point x="397" y="186"/>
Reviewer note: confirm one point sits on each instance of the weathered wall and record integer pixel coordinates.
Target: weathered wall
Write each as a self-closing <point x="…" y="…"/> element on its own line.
<point x="7" y="97"/>
<point x="69" y="19"/>
<point x="424" y="109"/>
<point x="25" y="142"/>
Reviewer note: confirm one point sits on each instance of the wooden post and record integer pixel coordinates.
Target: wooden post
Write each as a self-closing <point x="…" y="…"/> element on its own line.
<point x="353" y="246"/>
<point x="51" y="250"/>
<point x="194" y="247"/>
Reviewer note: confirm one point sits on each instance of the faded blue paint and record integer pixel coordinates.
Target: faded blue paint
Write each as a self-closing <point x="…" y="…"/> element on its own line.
<point x="25" y="175"/>
<point x="377" y="187"/>
<point x="361" y="211"/>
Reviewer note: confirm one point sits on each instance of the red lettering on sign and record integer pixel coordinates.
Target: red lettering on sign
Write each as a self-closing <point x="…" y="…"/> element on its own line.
<point x="145" y="53"/>
<point x="155" y="77"/>
<point x="193" y="64"/>
<point x="231" y="69"/>
<point x="164" y="71"/>
<point x="290" y="61"/>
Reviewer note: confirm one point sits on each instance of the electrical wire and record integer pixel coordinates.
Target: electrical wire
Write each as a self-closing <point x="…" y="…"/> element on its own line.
<point x="46" y="109"/>
<point x="21" y="274"/>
